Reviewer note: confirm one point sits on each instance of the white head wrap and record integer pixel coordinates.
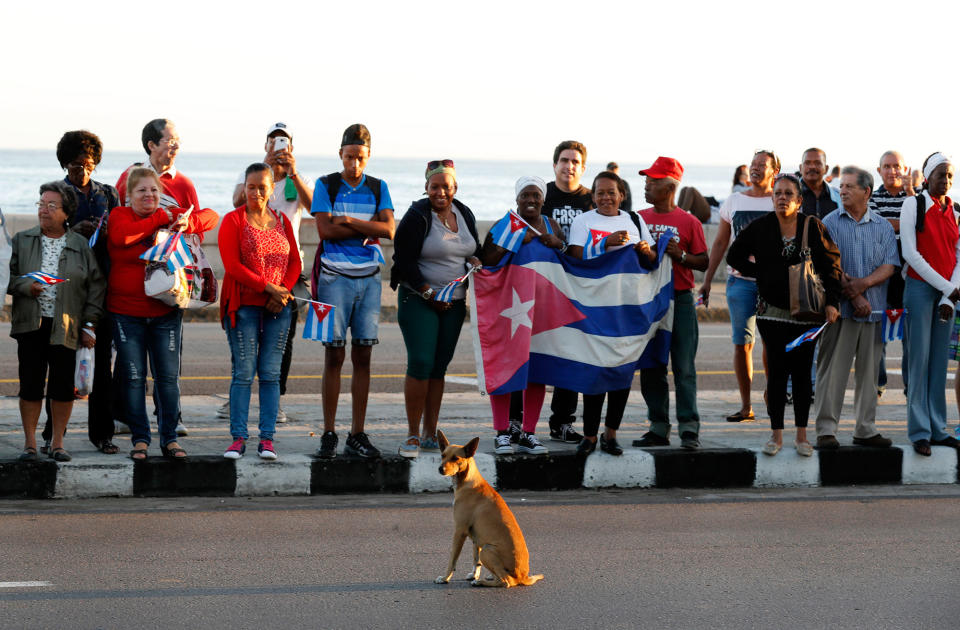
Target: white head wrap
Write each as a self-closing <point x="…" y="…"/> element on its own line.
<point x="933" y="162"/>
<point x="531" y="180"/>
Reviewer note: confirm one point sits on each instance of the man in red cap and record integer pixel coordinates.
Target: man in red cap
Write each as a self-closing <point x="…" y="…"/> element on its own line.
<point x="688" y="249"/>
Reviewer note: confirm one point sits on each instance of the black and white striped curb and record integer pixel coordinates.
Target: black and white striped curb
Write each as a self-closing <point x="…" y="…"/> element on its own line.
<point x="87" y="477"/>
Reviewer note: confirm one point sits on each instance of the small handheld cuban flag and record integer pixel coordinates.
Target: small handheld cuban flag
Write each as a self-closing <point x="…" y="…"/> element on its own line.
<point x="96" y="233"/>
<point x="375" y="243"/>
<point x="446" y="293"/>
<point x="179" y="256"/>
<point x="509" y="231"/>
<point x="319" y="325"/>
<point x="891" y="328"/>
<point x="44" y="278"/>
<point x="700" y="301"/>
<point x="596" y="244"/>
<point x="810" y="335"/>
<point x="158" y="252"/>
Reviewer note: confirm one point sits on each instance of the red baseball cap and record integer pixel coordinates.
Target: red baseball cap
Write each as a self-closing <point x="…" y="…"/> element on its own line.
<point x="664" y="167"/>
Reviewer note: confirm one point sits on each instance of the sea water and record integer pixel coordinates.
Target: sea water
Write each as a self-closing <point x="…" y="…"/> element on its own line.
<point x="486" y="186"/>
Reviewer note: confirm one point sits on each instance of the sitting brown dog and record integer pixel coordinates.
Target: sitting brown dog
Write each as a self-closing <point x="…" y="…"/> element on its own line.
<point x="481" y="513"/>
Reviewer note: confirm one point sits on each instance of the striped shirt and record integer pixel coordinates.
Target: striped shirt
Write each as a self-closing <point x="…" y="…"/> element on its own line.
<point x="864" y="245"/>
<point x="887" y="205"/>
<point x="352" y="256"/>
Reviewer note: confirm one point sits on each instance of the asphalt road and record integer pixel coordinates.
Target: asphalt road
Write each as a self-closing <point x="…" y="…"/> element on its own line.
<point x="839" y="558"/>
<point x="206" y="362"/>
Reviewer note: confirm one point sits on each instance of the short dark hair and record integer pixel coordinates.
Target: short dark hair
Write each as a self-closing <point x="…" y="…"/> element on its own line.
<point x="258" y="167"/>
<point x="864" y="178"/>
<point x="609" y="175"/>
<point x="152" y="132"/>
<point x="356" y="133"/>
<point x="75" y="144"/>
<point x="820" y="151"/>
<point x="570" y="144"/>
<point x="67" y="197"/>
<point x="736" y="174"/>
<point x="612" y="166"/>
<point x="790" y="177"/>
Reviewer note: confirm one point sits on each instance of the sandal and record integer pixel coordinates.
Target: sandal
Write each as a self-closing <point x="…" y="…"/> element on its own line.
<point x="922" y="447"/>
<point x="29" y="454"/>
<point x="138" y="454"/>
<point x="107" y="447"/>
<point x="771" y="448"/>
<point x="59" y="455"/>
<point x="740" y="417"/>
<point x="175" y="453"/>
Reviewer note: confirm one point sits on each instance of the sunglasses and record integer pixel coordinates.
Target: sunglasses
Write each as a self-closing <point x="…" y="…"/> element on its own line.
<point x="432" y="164"/>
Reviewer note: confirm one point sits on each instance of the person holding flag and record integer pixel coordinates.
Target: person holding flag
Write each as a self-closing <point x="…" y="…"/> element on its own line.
<point x="435" y="243"/>
<point x="764" y="250"/>
<point x="57" y="290"/>
<point x="530" y="223"/>
<point x="261" y="264"/>
<point x="142" y="324"/>
<point x="592" y="234"/>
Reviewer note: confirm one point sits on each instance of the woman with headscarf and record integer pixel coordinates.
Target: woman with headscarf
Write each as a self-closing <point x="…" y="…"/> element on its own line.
<point x="531" y="192"/>
<point x="765" y="250"/>
<point x="931" y="249"/>
<point x="435" y="243"/>
<point x="50" y="320"/>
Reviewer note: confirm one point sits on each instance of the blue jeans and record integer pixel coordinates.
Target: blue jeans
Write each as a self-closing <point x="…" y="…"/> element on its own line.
<point x="257" y="342"/>
<point x="742" y="304"/>
<point x="135" y="338"/>
<point x="926" y="363"/>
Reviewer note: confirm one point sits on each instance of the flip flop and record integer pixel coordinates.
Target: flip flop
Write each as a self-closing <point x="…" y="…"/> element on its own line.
<point x="59" y="455"/>
<point x="739" y="417"/>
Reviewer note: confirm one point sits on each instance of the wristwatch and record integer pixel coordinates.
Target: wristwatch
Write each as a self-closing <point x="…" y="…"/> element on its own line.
<point x="427" y="294"/>
<point x="683" y="257"/>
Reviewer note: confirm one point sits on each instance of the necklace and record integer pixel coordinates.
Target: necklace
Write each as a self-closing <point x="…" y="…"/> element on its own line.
<point x="257" y="221"/>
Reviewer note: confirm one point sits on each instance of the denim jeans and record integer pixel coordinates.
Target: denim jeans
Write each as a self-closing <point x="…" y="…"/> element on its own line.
<point x="926" y="363"/>
<point x="135" y="338"/>
<point x="257" y="342"/>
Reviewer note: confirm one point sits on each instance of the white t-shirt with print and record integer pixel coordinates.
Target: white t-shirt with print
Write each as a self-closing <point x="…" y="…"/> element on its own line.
<point x="740" y="210"/>
<point x="593" y="220"/>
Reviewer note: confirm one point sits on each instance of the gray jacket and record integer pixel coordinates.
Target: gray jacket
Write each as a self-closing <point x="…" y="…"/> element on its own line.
<point x="78" y="301"/>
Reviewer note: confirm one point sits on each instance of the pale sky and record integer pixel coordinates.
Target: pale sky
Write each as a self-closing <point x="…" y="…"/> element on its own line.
<point x="705" y="82"/>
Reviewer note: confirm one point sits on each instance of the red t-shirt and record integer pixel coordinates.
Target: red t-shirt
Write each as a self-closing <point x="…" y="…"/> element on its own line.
<point x="178" y="190"/>
<point x="938" y="241"/>
<point x="128" y="236"/>
<point x="691" y="239"/>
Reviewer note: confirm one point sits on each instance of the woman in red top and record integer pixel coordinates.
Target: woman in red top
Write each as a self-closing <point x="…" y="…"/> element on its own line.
<point x="141" y="323"/>
<point x="261" y="263"/>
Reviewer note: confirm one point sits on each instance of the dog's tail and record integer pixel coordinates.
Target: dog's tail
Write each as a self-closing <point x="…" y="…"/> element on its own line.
<point x="531" y="579"/>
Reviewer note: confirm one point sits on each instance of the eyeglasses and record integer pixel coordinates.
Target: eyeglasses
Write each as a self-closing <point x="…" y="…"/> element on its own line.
<point x="172" y="142"/>
<point x="432" y="164"/>
<point x="86" y="167"/>
<point x="49" y="205"/>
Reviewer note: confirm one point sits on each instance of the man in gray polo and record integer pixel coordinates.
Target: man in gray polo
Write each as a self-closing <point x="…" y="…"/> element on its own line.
<point x="868" y="254"/>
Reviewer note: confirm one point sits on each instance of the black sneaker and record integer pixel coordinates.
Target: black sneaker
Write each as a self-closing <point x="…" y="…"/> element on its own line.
<point x="360" y="445"/>
<point x="516" y="430"/>
<point x="610" y="446"/>
<point x="652" y="439"/>
<point x="689" y="440"/>
<point x="565" y="433"/>
<point x="530" y="444"/>
<point x="328" y="445"/>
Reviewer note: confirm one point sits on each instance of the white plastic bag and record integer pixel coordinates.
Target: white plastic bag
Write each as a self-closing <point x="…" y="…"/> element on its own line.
<point x="83" y="374"/>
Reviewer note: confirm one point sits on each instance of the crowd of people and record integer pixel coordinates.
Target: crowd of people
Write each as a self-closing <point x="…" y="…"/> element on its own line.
<point x="77" y="281"/>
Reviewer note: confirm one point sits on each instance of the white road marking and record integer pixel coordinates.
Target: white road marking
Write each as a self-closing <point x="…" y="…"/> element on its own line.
<point x="22" y="584"/>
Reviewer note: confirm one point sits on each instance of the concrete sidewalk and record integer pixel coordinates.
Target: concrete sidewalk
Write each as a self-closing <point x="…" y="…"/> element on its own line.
<point x="729" y="456"/>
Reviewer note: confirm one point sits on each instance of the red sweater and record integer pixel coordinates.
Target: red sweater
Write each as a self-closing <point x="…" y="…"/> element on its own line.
<point x="241" y="285"/>
<point x="128" y="236"/>
<point x="178" y="190"/>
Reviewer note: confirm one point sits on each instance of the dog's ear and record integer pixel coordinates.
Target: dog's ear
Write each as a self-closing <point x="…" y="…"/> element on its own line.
<point x="442" y="439"/>
<point x="470" y="448"/>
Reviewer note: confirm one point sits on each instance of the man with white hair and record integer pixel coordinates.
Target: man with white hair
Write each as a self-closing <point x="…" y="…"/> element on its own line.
<point x="688" y="250"/>
<point x="869" y="257"/>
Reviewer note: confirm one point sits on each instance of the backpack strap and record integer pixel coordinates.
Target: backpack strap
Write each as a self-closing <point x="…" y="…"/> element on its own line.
<point x="374" y="185"/>
<point x="921" y="211"/>
<point x="635" y="218"/>
<point x="332" y="183"/>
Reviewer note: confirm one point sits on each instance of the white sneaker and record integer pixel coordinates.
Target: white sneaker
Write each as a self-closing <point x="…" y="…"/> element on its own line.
<point x="120" y="428"/>
<point x="224" y="410"/>
<point x="502" y="445"/>
<point x="181" y="430"/>
<point x="281" y="415"/>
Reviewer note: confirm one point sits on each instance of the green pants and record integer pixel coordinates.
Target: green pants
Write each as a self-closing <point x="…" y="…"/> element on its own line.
<point x="430" y="336"/>
<point x="683" y="352"/>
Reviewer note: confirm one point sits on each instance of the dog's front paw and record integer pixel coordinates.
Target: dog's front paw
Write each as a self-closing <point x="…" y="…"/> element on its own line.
<point x="475" y="583"/>
<point x="442" y="579"/>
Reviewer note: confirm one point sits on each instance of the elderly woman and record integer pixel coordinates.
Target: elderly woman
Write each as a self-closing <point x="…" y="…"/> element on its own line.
<point x="434" y="244"/>
<point x="531" y="192"/>
<point x="622" y="229"/>
<point x="50" y="320"/>
<point x="765" y="250"/>
<point x="931" y="249"/>
<point x="79" y="153"/>
<point x="143" y="325"/>
<point x="261" y="264"/>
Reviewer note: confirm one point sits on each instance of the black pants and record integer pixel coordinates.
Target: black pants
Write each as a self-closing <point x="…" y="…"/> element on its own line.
<point x="100" y="403"/>
<point x="782" y="364"/>
<point x="288" y="350"/>
<point x="593" y="405"/>
<point x="563" y="407"/>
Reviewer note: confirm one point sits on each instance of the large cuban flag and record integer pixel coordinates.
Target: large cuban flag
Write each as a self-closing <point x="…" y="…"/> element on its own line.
<point x="584" y="325"/>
